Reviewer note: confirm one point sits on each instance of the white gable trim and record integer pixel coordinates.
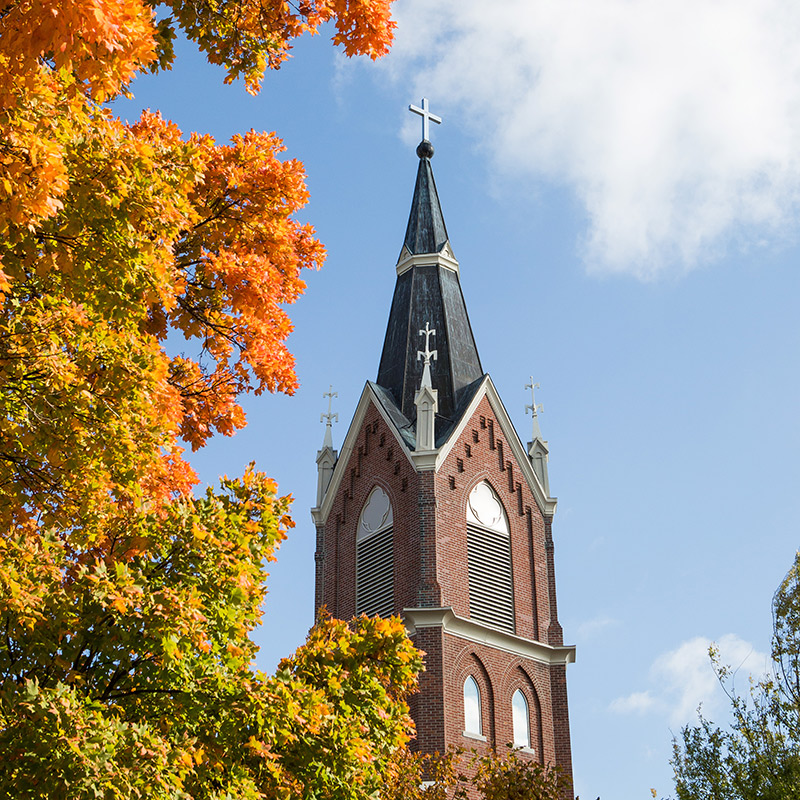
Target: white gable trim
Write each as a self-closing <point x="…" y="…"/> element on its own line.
<point x="433" y="459"/>
<point x="368" y="396"/>
<point x="547" y="505"/>
<point x="449" y="622"/>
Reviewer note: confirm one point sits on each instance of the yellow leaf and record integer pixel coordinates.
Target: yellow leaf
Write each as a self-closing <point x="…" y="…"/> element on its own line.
<point x="120" y="604"/>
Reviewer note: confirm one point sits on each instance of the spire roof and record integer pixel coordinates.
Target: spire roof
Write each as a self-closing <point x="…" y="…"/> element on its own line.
<point x="428" y="296"/>
<point x="426" y="232"/>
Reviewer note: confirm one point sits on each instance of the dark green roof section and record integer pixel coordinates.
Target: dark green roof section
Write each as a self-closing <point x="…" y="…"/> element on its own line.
<point x="404" y="426"/>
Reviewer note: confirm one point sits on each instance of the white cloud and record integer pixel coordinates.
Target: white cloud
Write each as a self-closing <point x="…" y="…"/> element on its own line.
<point x="638" y="702"/>
<point x="683" y="679"/>
<point x="677" y="124"/>
<point x="596" y="625"/>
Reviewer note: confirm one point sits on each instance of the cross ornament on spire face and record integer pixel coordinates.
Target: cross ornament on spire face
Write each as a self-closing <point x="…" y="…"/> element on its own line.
<point x="427" y="118"/>
<point x="330" y="416"/>
<point x="428" y="354"/>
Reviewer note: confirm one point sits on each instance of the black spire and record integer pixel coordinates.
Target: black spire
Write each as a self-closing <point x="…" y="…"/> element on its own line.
<point x="428" y="291"/>
<point x="426" y="232"/>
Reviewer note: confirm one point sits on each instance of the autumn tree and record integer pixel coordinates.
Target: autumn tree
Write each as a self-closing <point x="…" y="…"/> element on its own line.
<point x="459" y="774"/>
<point x="111" y="235"/>
<point x="130" y="675"/>
<point x="126" y="602"/>
<point x="758" y="756"/>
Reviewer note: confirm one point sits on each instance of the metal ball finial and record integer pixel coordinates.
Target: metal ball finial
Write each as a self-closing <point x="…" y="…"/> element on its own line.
<point x="425" y="149"/>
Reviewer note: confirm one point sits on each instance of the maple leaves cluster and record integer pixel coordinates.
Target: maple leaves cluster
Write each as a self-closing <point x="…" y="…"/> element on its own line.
<point x="112" y="235"/>
<point x="126" y="602"/>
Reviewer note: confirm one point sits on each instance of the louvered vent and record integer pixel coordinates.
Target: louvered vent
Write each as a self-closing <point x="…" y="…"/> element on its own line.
<point x="491" y="598"/>
<point x="491" y="594"/>
<point x="375" y="575"/>
<point x="375" y="557"/>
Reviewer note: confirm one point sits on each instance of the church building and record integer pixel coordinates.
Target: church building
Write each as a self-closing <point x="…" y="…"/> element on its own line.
<point x="435" y="511"/>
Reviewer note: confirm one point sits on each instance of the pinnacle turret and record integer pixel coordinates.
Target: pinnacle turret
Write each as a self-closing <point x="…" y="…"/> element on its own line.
<point x="326" y="456"/>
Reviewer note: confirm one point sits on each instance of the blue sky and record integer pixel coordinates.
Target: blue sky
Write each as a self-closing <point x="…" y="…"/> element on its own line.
<point x="620" y="183"/>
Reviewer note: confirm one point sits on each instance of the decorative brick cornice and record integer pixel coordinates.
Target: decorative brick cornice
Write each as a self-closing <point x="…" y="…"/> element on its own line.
<point x="449" y="622"/>
<point x="547" y="505"/>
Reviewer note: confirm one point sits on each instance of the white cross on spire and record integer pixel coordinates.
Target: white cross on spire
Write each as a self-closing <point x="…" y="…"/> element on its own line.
<point x="427" y="118"/>
<point x="427" y="354"/>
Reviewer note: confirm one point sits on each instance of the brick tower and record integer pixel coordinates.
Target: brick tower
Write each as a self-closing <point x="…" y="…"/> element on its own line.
<point x="434" y="510"/>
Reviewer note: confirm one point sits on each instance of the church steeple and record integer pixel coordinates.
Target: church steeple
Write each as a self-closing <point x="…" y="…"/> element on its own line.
<point x="436" y="511"/>
<point x="428" y="292"/>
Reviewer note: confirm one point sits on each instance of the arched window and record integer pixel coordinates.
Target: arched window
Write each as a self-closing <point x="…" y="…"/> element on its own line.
<point x="491" y="596"/>
<point x="472" y="707"/>
<point x="521" y="719"/>
<point x="375" y="557"/>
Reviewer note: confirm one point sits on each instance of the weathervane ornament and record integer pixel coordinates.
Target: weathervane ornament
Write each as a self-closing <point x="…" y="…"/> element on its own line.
<point x="427" y="118"/>
<point x="329" y="418"/>
<point x="534" y="408"/>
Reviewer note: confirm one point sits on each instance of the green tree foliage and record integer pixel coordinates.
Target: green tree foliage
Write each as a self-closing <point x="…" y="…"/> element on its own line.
<point x="758" y="756"/>
<point x="128" y="674"/>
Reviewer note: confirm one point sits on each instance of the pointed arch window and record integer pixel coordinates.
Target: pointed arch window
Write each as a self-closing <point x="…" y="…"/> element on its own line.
<point x="491" y="595"/>
<point x="375" y="557"/>
<point x="520" y="715"/>
<point x="472" y="707"/>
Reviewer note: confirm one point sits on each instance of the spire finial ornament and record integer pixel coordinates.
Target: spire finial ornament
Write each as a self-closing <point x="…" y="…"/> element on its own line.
<point x="329" y="418"/>
<point x="534" y="408"/>
<point x="427" y="354"/>
<point x="425" y="148"/>
<point x="537" y="449"/>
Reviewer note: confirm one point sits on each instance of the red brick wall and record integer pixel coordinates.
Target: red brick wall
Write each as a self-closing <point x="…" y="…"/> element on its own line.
<point x="430" y="546"/>
<point x="428" y="707"/>
<point x="481" y="454"/>
<point x="498" y="674"/>
<point x="377" y="460"/>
